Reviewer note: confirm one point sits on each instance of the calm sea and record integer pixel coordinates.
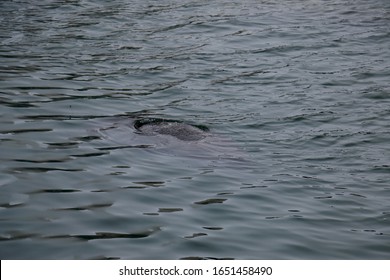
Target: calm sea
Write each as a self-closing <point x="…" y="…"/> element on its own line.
<point x="296" y="97"/>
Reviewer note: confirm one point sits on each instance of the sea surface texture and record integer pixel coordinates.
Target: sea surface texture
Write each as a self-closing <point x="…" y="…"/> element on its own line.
<point x="291" y="100"/>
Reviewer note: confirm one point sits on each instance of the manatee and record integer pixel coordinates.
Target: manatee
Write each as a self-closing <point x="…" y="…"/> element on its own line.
<point x="173" y="137"/>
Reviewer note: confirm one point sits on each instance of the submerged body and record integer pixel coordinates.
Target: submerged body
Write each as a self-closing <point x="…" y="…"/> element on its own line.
<point x="171" y="137"/>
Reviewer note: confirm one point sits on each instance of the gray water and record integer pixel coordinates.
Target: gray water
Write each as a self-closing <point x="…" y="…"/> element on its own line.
<point x="296" y="97"/>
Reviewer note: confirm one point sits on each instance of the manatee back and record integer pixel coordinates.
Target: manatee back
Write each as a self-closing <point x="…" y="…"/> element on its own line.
<point x="179" y="130"/>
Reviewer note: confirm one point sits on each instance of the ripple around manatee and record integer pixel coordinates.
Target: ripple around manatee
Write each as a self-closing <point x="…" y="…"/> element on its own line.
<point x="180" y="130"/>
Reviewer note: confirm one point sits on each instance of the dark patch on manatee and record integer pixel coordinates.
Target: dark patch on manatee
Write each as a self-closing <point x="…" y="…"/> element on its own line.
<point x="177" y="129"/>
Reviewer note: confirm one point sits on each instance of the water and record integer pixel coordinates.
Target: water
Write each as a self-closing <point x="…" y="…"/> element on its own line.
<point x="295" y="95"/>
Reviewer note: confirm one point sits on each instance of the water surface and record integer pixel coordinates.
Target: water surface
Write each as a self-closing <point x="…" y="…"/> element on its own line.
<point x="295" y="95"/>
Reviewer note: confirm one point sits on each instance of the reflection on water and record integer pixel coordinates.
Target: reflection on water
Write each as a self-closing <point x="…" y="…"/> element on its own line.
<point x="294" y="164"/>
